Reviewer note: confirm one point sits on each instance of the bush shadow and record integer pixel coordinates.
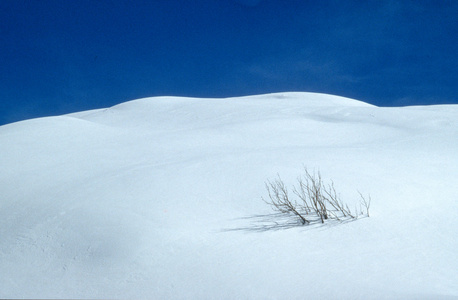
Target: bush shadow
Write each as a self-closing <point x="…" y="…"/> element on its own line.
<point x="282" y="221"/>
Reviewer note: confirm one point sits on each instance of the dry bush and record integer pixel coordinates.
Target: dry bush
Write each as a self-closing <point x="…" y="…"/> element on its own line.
<point x="280" y="200"/>
<point x="317" y="201"/>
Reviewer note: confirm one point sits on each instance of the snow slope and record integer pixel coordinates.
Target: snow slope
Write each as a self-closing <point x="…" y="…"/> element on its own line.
<point x="156" y="198"/>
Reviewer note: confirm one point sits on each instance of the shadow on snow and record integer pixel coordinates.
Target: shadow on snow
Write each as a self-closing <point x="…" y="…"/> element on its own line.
<point x="282" y="221"/>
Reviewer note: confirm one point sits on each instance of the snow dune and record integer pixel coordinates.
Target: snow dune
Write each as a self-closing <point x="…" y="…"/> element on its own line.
<point x="156" y="198"/>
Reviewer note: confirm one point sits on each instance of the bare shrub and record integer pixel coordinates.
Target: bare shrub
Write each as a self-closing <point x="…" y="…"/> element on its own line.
<point x="280" y="201"/>
<point x="365" y="203"/>
<point x="317" y="201"/>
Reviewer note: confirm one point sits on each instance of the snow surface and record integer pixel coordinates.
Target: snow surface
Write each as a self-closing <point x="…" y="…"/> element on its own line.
<point x="157" y="198"/>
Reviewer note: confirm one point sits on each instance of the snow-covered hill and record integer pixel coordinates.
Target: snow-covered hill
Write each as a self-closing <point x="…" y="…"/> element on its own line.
<point x="155" y="198"/>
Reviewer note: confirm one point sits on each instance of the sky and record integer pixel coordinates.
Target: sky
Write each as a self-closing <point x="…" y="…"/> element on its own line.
<point x="59" y="56"/>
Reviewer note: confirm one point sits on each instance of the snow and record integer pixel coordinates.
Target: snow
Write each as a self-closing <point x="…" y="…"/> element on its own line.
<point x="157" y="198"/>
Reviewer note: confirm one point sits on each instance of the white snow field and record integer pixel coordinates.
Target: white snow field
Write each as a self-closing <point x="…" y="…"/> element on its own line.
<point x="157" y="198"/>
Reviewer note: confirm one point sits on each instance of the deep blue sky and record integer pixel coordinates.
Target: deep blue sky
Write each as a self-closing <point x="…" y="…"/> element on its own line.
<point x="63" y="56"/>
